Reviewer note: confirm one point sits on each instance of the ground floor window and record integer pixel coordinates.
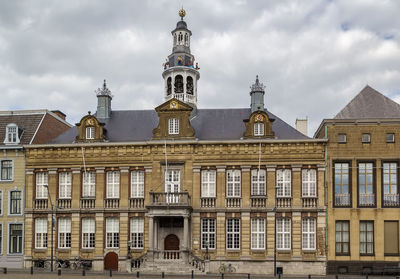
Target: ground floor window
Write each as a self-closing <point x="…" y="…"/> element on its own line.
<point x="257" y="233"/>
<point x="41" y="233"/>
<point x="233" y="233"/>
<point x="137" y="233"/>
<point x="283" y="233"/>
<point x="15" y="238"/>
<point x="391" y="238"/>
<point x="112" y="233"/>
<point x="88" y="233"/>
<point x="342" y="237"/>
<point x="308" y="234"/>
<point x="366" y="237"/>
<point x="208" y="233"/>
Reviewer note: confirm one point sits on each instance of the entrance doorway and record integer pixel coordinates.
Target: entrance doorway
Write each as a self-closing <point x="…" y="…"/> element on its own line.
<point x="111" y="261"/>
<point x="171" y="247"/>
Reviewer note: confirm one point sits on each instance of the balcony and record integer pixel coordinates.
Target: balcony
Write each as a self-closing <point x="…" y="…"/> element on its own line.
<point x="64" y="203"/>
<point x="207" y="202"/>
<point x="342" y="199"/>
<point x="40" y="204"/>
<point x="233" y="202"/>
<point x="136" y="203"/>
<point x="309" y="202"/>
<point x="391" y="200"/>
<point x="182" y="97"/>
<point x="366" y="199"/>
<point x="111" y="203"/>
<point x="258" y="201"/>
<point x="169" y="199"/>
<point x="284" y="202"/>
<point x="88" y="203"/>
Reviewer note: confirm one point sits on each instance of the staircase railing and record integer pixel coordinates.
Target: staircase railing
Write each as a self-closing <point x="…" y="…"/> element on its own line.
<point x="138" y="262"/>
<point x="197" y="262"/>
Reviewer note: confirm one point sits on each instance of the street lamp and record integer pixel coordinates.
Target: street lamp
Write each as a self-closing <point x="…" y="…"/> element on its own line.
<point x="274" y="210"/>
<point x="53" y="221"/>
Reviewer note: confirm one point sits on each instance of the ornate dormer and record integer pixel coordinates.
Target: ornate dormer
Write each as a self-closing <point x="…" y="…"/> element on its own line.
<point x="90" y="129"/>
<point x="173" y="121"/>
<point x="13" y="134"/>
<point x="257" y="96"/>
<point x="181" y="73"/>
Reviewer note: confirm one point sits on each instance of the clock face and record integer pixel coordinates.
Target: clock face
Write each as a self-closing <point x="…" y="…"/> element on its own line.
<point x="173" y="105"/>
<point x="259" y="117"/>
<point x="90" y="121"/>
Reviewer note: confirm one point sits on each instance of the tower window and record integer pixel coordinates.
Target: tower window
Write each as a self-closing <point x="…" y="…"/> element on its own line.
<point x="169" y="86"/>
<point x="173" y="126"/>
<point x="189" y="85"/>
<point x="90" y="132"/>
<point x="178" y="84"/>
<point x="258" y="129"/>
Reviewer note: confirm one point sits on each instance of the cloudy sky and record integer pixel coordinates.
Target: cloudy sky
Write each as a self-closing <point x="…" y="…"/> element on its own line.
<point x="313" y="56"/>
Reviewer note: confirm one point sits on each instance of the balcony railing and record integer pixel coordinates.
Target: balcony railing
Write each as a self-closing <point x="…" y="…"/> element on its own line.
<point x="258" y="201"/>
<point x="64" y="203"/>
<point x="168" y="199"/>
<point x="391" y="200"/>
<point x="284" y="202"/>
<point x="366" y="199"/>
<point x="309" y="202"/>
<point x="111" y="203"/>
<point x="207" y="202"/>
<point x="136" y="203"/>
<point x="169" y="254"/>
<point x="88" y="203"/>
<point x="233" y="202"/>
<point x="40" y="204"/>
<point x="342" y="199"/>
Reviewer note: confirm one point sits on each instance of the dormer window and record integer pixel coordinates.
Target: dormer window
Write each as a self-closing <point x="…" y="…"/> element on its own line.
<point x="90" y="132"/>
<point x="11" y="134"/>
<point x="173" y="126"/>
<point x="258" y="129"/>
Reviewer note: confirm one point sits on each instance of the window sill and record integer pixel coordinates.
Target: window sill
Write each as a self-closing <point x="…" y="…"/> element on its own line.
<point x="44" y="249"/>
<point x="284" y="251"/>
<point x="87" y="250"/>
<point x="63" y="250"/>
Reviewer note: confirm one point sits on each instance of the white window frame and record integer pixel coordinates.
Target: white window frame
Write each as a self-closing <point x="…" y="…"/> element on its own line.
<point x="9" y="238"/>
<point x="308" y="236"/>
<point x="342" y="138"/>
<point x="43" y="233"/>
<point x="258" y="182"/>
<point x="65" y="185"/>
<point x="42" y="178"/>
<point x="20" y="202"/>
<point x="113" y="183"/>
<point x="390" y="137"/>
<point x="88" y="184"/>
<point x="208" y="233"/>
<point x="284" y="183"/>
<point x="233" y="234"/>
<point x="258" y="129"/>
<point x="12" y="170"/>
<point x="137" y="233"/>
<point x="233" y="183"/>
<point x="173" y="126"/>
<point x="309" y="183"/>
<point x="283" y="233"/>
<point x="64" y="233"/>
<point x="112" y="232"/>
<point x="366" y="138"/>
<point x="257" y="226"/>
<point x="172" y="180"/>
<point x="208" y="183"/>
<point x="88" y="233"/>
<point x="90" y="132"/>
<point x="137" y="184"/>
<point x="14" y="134"/>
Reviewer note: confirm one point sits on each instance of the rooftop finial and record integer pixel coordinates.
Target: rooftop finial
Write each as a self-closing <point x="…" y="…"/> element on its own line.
<point x="104" y="90"/>
<point x="182" y="13"/>
<point x="257" y="86"/>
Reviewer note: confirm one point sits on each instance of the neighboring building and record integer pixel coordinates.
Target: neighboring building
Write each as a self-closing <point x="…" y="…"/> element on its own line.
<point x="18" y="128"/>
<point x="363" y="156"/>
<point x="179" y="184"/>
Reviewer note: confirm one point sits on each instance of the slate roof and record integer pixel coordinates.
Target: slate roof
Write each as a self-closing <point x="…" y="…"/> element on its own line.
<point x="369" y="103"/>
<point x="209" y="124"/>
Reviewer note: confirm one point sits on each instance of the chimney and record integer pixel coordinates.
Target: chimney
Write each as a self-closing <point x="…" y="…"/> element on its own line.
<point x="59" y="114"/>
<point x="301" y="126"/>
<point x="104" y="98"/>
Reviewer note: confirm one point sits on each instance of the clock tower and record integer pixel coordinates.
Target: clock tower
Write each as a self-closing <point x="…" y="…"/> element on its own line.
<point x="181" y="73"/>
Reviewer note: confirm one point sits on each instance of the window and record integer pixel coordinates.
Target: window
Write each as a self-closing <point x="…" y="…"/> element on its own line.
<point x="284" y="183"/>
<point x="11" y="134"/>
<point x="137" y="233"/>
<point x="258" y="182"/>
<point x="89" y="184"/>
<point x="366" y="237"/>
<point x="90" y="132"/>
<point x="257" y="233"/>
<point x="389" y="137"/>
<point x="283" y="233"/>
<point x="233" y="233"/>
<point x="1" y="239"/>
<point x="15" y="238"/>
<point x="233" y="181"/>
<point x="366" y="138"/>
<point x="391" y="238"/>
<point x="342" y="138"/>
<point x="137" y="184"/>
<point x="208" y="230"/>
<point x="390" y="190"/>
<point x="112" y="233"/>
<point x="88" y="233"/>
<point x="366" y="195"/>
<point x="308" y="234"/>
<point x="40" y="233"/>
<point x="41" y="184"/>
<point x="113" y="184"/>
<point x="208" y="181"/>
<point x="342" y="238"/>
<point x="1" y="205"/>
<point x="258" y="129"/>
<point x="309" y="183"/>
<point x="342" y="186"/>
<point x="6" y="170"/>
<point x="15" y="202"/>
<point x="173" y="126"/>
<point x="64" y="185"/>
<point x="172" y="181"/>
<point x="64" y="233"/>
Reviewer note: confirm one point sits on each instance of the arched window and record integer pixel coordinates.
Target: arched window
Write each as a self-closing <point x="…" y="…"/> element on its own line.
<point x="175" y="39"/>
<point x="180" y="38"/>
<point x="169" y="86"/>
<point x="186" y="39"/>
<point x="178" y="84"/>
<point x="189" y="85"/>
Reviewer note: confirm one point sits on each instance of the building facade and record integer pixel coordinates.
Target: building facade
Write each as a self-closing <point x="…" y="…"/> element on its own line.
<point x="363" y="155"/>
<point x="141" y="189"/>
<point x="18" y="128"/>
